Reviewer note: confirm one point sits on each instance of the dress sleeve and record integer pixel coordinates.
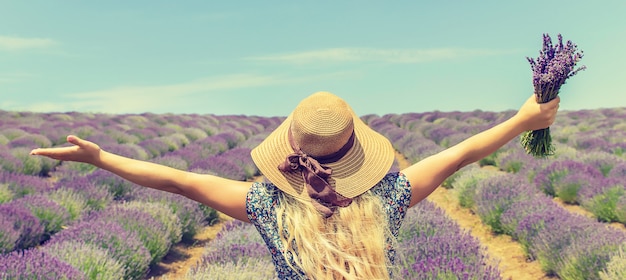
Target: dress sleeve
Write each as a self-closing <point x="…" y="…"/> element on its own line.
<point x="258" y="203"/>
<point x="395" y="193"/>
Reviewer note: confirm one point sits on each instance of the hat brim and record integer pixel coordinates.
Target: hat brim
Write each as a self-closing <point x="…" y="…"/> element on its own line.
<point x="367" y="162"/>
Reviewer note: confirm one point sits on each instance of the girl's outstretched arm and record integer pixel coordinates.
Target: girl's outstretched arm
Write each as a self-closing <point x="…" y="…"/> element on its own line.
<point x="426" y="175"/>
<point x="224" y="195"/>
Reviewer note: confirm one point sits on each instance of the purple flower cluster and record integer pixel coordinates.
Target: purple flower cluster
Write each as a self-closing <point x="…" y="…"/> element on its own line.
<point x="190" y="213"/>
<point x="155" y="146"/>
<point x="150" y="230"/>
<point x="171" y="226"/>
<point x="494" y="195"/>
<point x="520" y="210"/>
<point x="172" y="161"/>
<point x="513" y="161"/>
<point x="21" y="185"/>
<point x="123" y="245"/>
<point x="23" y="229"/>
<point x="551" y="178"/>
<point x="50" y="214"/>
<point x="37" y="265"/>
<point x="432" y="246"/>
<point x="237" y="246"/>
<point x="554" y="65"/>
<point x="94" y="262"/>
<point x="96" y="197"/>
<point x="117" y="187"/>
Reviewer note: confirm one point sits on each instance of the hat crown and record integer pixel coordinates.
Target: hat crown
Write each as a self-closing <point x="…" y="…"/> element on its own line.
<point x="322" y="124"/>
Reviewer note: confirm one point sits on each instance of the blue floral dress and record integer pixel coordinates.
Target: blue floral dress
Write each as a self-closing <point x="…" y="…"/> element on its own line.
<point x="394" y="191"/>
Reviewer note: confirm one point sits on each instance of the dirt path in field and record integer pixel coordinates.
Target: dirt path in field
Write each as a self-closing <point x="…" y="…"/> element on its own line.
<point x="183" y="256"/>
<point x="513" y="263"/>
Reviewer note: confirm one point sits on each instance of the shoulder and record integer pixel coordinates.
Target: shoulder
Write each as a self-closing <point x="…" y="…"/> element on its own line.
<point x="394" y="192"/>
<point x="394" y="186"/>
<point x="261" y="199"/>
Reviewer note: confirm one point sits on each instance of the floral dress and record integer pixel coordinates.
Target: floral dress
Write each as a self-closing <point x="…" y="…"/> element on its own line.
<point x="394" y="191"/>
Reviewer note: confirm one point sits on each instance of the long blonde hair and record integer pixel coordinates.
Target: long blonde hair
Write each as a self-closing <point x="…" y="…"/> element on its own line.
<point x="351" y="244"/>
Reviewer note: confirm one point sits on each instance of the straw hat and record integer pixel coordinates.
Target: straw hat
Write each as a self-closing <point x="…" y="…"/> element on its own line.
<point x="321" y="125"/>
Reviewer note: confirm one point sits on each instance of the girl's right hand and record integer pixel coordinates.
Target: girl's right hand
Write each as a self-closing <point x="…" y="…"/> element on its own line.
<point x="81" y="151"/>
<point x="535" y="115"/>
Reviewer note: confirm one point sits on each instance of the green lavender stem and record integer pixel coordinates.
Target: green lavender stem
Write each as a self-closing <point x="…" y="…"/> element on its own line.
<point x="538" y="143"/>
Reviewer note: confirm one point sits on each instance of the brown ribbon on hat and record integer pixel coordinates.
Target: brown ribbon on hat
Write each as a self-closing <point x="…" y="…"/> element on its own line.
<point x="323" y="196"/>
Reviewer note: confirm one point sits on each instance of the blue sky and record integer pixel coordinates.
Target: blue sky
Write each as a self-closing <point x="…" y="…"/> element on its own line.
<point x="262" y="57"/>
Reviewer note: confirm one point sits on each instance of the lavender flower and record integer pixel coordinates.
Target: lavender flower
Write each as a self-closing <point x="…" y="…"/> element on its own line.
<point x="241" y="157"/>
<point x="220" y="166"/>
<point x="94" y="262"/>
<point x="532" y="224"/>
<point x="466" y="182"/>
<point x="236" y="235"/>
<point x="123" y="245"/>
<point x="495" y="195"/>
<point x="21" y="221"/>
<point x="252" y="269"/>
<point x="8" y="162"/>
<point x="171" y="161"/>
<point x="616" y="267"/>
<point x="8" y="234"/>
<point x="171" y="224"/>
<point x="71" y="200"/>
<point x="31" y="141"/>
<point x="96" y="198"/>
<point x="117" y="186"/>
<point x="155" y="146"/>
<point x="50" y="214"/>
<point x="618" y="171"/>
<point x="519" y="210"/>
<point x="512" y="161"/>
<point x="429" y="243"/>
<point x="37" y="265"/>
<point x="553" y="66"/>
<point x="189" y="212"/>
<point x="239" y="247"/>
<point x="603" y="161"/>
<point x="150" y="230"/>
<point x="557" y="236"/>
<point x="549" y="178"/>
<point x="587" y="257"/>
<point x="193" y="133"/>
<point x="601" y="198"/>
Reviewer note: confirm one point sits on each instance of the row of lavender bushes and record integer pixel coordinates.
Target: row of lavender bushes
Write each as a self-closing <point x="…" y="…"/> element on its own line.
<point x="587" y="170"/>
<point x="566" y="244"/>
<point x="90" y="221"/>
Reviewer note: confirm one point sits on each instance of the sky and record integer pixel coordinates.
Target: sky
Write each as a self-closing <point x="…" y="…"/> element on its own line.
<point x="262" y="57"/>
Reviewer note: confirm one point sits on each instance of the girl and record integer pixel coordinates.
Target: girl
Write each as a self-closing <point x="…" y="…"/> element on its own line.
<point x="330" y="209"/>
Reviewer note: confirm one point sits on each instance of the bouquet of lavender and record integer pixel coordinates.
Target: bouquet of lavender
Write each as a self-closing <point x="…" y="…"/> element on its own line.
<point x="550" y="70"/>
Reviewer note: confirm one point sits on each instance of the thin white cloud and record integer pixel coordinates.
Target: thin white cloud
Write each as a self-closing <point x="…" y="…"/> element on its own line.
<point x="378" y="55"/>
<point x="128" y="99"/>
<point x="20" y="43"/>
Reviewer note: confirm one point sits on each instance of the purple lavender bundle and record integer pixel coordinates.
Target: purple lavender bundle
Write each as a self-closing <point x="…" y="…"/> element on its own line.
<point x="553" y="66"/>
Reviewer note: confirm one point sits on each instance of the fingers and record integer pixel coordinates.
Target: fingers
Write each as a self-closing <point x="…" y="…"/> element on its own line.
<point x="51" y="152"/>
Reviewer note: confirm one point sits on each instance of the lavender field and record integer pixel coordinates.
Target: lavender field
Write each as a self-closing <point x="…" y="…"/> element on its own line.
<point x="61" y="220"/>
